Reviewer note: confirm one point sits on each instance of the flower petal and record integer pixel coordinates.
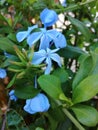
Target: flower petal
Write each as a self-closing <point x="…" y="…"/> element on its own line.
<point x="21" y="35"/>
<point x="45" y="40"/>
<point x="39" y="103"/>
<point x="56" y="58"/>
<point x="24" y="34"/>
<point x="60" y="41"/>
<point x="49" y="65"/>
<point x="27" y="107"/>
<point x="39" y="57"/>
<point x="58" y="38"/>
<point x="34" y="37"/>
<point x="48" y="17"/>
<point x="52" y="33"/>
<point x="32" y="27"/>
<point x="12" y="95"/>
<point x="2" y="73"/>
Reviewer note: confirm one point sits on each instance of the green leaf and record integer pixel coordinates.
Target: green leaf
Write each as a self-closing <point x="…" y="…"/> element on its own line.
<point x="15" y="121"/>
<point x="12" y="37"/>
<point x="3" y="19"/>
<point x="86" y="115"/>
<point x="84" y="70"/>
<point x="12" y="81"/>
<point x="94" y="55"/>
<point x="96" y="5"/>
<point x="26" y="92"/>
<point x="81" y="27"/>
<point x="51" y="85"/>
<point x="71" y="52"/>
<point x="6" y="45"/>
<point x="86" y="89"/>
<point x="61" y="74"/>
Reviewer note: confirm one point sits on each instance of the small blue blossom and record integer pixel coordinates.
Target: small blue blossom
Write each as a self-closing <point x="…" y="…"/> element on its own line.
<point x="24" y="34"/>
<point x="48" y="17"/>
<point x="46" y="56"/>
<point x="3" y="73"/>
<point x="7" y="55"/>
<point x="63" y="2"/>
<point x="39" y="103"/>
<point x="47" y="36"/>
<point x="12" y="95"/>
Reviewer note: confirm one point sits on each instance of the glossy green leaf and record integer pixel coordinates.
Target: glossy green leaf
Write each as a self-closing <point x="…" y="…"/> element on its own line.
<point x="86" y="115"/>
<point x="51" y="85"/>
<point x="61" y="74"/>
<point x="86" y="89"/>
<point x="84" y="69"/>
<point x="80" y="27"/>
<point x="71" y="52"/>
<point x="26" y="92"/>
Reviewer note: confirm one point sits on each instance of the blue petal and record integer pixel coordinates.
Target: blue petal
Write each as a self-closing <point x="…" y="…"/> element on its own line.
<point x="2" y="73"/>
<point x="48" y="17"/>
<point x="12" y="95"/>
<point x="27" y="107"/>
<point x="45" y="40"/>
<point x="49" y="65"/>
<point x="58" y="38"/>
<point x="39" y="57"/>
<point x="52" y="51"/>
<point x="22" y="35"/>
<point x="60" y="41"/>
<point x="32" y="27"/>
<point x="11" y="92"/>
<point x="39" y="103"/>
<point x="56" y="58"/>
<point x="34" y="37"/>
<point x="52" y="33"/>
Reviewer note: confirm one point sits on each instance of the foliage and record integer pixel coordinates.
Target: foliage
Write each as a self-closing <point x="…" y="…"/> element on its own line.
<point x="70" y="85"/>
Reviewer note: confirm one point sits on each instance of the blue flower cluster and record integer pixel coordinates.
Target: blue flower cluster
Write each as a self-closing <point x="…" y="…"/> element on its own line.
<point x="48" y="39"/>
<point x="12" y="95"/>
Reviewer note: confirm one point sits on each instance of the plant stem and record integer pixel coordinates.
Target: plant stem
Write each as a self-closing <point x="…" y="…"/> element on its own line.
<point x="74" y="7"/>
<point x="76" y="123"/>
<point x="4" y="118"/>
<point x="67" y="113"/>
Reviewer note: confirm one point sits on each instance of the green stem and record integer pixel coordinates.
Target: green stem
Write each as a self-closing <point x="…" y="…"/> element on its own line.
<point x="74" y="7"/>
<point x="76" y="123"/>
<point x="67" y="113"/>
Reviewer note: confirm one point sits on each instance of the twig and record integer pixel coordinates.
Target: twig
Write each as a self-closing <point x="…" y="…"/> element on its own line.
<point x="4" y="118"/>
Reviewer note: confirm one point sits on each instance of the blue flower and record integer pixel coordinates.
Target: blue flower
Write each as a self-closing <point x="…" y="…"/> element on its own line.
<point x="3" y="73"/>
<point x="39" y="103"/>
<point x="24" y="34"/>
<point x="46" y="37"/>
<point x="12" y="95"/>
<point x="46" y="56"/>
<point x="48" y="17"/>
